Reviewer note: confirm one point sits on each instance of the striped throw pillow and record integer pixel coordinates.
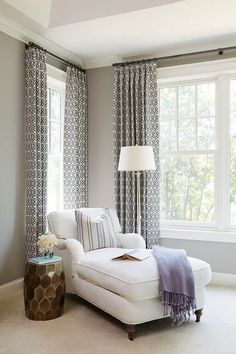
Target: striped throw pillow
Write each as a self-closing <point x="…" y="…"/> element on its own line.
<point x="96" y="233"/>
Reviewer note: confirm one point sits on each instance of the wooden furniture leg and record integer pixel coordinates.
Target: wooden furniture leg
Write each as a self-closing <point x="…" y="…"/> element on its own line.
<point x="198" y="314"/>
<point x="131" y="330"/>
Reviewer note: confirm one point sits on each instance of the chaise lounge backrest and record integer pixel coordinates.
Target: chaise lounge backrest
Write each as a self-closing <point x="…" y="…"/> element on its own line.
<point x="63" y="224"/>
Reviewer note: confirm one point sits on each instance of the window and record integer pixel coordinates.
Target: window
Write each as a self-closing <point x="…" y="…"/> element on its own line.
<point x="198" y="151"/>
<point x="55" y="144"/>
<point x="187" y="145"/>
<point x="233" y="151"/>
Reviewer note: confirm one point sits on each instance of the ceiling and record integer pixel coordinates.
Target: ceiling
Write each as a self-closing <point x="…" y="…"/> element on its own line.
<point x="104" y="31"/>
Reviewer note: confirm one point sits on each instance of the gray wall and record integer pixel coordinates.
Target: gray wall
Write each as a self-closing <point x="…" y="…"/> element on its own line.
<point x="221" y="256"/>
<point x="100" y="117"/>
<point x="11" y="159"/>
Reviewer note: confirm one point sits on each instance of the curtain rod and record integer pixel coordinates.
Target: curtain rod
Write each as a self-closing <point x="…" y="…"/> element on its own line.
<point x="220" y="52"/>
<point x="31" y="44"/>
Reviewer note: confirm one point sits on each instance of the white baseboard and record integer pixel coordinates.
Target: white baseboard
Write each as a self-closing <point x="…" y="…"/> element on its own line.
<point x="14" y="285"/>
<point x="224" y="279"/>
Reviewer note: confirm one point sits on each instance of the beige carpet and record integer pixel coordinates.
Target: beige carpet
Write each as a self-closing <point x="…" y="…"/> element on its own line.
<point x="84" y="329"/>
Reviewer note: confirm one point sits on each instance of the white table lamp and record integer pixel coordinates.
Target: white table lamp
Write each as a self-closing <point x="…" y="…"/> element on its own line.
<point x="137" y="158"/>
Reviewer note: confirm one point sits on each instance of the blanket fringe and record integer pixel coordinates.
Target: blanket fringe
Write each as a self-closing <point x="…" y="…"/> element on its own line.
<point x="178" y="306"/>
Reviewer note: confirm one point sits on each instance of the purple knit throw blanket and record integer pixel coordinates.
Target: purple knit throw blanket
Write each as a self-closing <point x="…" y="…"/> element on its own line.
<point x="176" y="286"/>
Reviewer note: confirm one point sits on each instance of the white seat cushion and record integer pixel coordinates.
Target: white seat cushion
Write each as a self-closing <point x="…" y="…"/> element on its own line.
<point x="133" y="280"/>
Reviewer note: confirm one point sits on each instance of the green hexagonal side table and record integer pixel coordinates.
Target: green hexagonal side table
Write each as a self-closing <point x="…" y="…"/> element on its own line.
<point x="44" y="290"/>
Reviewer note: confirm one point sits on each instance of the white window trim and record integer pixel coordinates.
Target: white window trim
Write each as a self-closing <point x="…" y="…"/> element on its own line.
<point x="198" y="235"/>
<point x="55" y="83"/>
<point x="216" y="70"/>
<point x="197" y="70"/>
<point x="55" y="73"/>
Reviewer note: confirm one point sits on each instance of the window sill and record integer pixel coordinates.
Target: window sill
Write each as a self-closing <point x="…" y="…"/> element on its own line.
<point x="198" y="235"/>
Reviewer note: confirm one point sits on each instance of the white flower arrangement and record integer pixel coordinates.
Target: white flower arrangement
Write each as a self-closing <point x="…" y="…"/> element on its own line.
<point x="45" y="244"/>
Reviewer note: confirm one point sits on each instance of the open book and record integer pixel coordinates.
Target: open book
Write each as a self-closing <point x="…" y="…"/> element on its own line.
<point x="133" y="255"/>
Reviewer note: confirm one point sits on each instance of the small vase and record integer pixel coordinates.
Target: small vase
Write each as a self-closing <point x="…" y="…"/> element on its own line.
<point x="47" y="254"/>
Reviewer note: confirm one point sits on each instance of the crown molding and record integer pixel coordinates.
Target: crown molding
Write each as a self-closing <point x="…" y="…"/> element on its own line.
<point x="101" y="62"/>
<point x="108" y="61"/>
<point x="24" y="35"/>
<point x="218" y="42"/>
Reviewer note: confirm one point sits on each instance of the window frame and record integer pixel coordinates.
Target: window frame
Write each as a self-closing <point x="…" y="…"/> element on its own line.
<point x="221" y="72"/>
<point x="54" y="83"/>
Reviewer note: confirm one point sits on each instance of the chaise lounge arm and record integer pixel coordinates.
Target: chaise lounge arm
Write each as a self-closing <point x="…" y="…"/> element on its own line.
<point x="74" y="247"/>
<point x="131" y="240"/>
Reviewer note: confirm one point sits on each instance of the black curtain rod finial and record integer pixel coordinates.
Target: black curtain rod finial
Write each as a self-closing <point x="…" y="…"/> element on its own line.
<point x="31" y="44"/>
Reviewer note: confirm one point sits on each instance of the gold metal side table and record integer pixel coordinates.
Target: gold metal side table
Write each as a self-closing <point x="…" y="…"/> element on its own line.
<point x="44" y="289"/>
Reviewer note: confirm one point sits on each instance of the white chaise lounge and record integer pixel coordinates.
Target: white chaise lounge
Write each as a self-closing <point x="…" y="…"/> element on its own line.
<point x="126" y="290"/>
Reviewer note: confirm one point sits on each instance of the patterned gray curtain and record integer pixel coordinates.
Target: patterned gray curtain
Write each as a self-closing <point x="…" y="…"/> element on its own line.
<point x="136" y="122"/>
<point x="75" y="140"/>
<point x="36" y="146"/>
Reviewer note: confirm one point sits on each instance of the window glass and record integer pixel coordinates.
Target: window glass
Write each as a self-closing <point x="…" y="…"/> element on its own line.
<point x="187" y="188"/>
<point x="55" y="148"/>
<point x="187" y="143"/>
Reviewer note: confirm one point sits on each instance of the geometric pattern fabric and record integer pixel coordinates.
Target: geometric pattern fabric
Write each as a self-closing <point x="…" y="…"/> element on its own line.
<point x="35" y="146"/>
<point x="136" y="123"/>
<point x="75" y="152"/>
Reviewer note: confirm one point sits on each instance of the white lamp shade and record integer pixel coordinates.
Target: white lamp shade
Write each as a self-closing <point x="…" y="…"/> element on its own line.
<point x="136" y="158"/>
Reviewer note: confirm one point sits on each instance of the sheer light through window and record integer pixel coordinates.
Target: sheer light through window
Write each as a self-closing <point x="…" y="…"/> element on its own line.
<point x="187" y="149"/>
<point x="55" y="144"/>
